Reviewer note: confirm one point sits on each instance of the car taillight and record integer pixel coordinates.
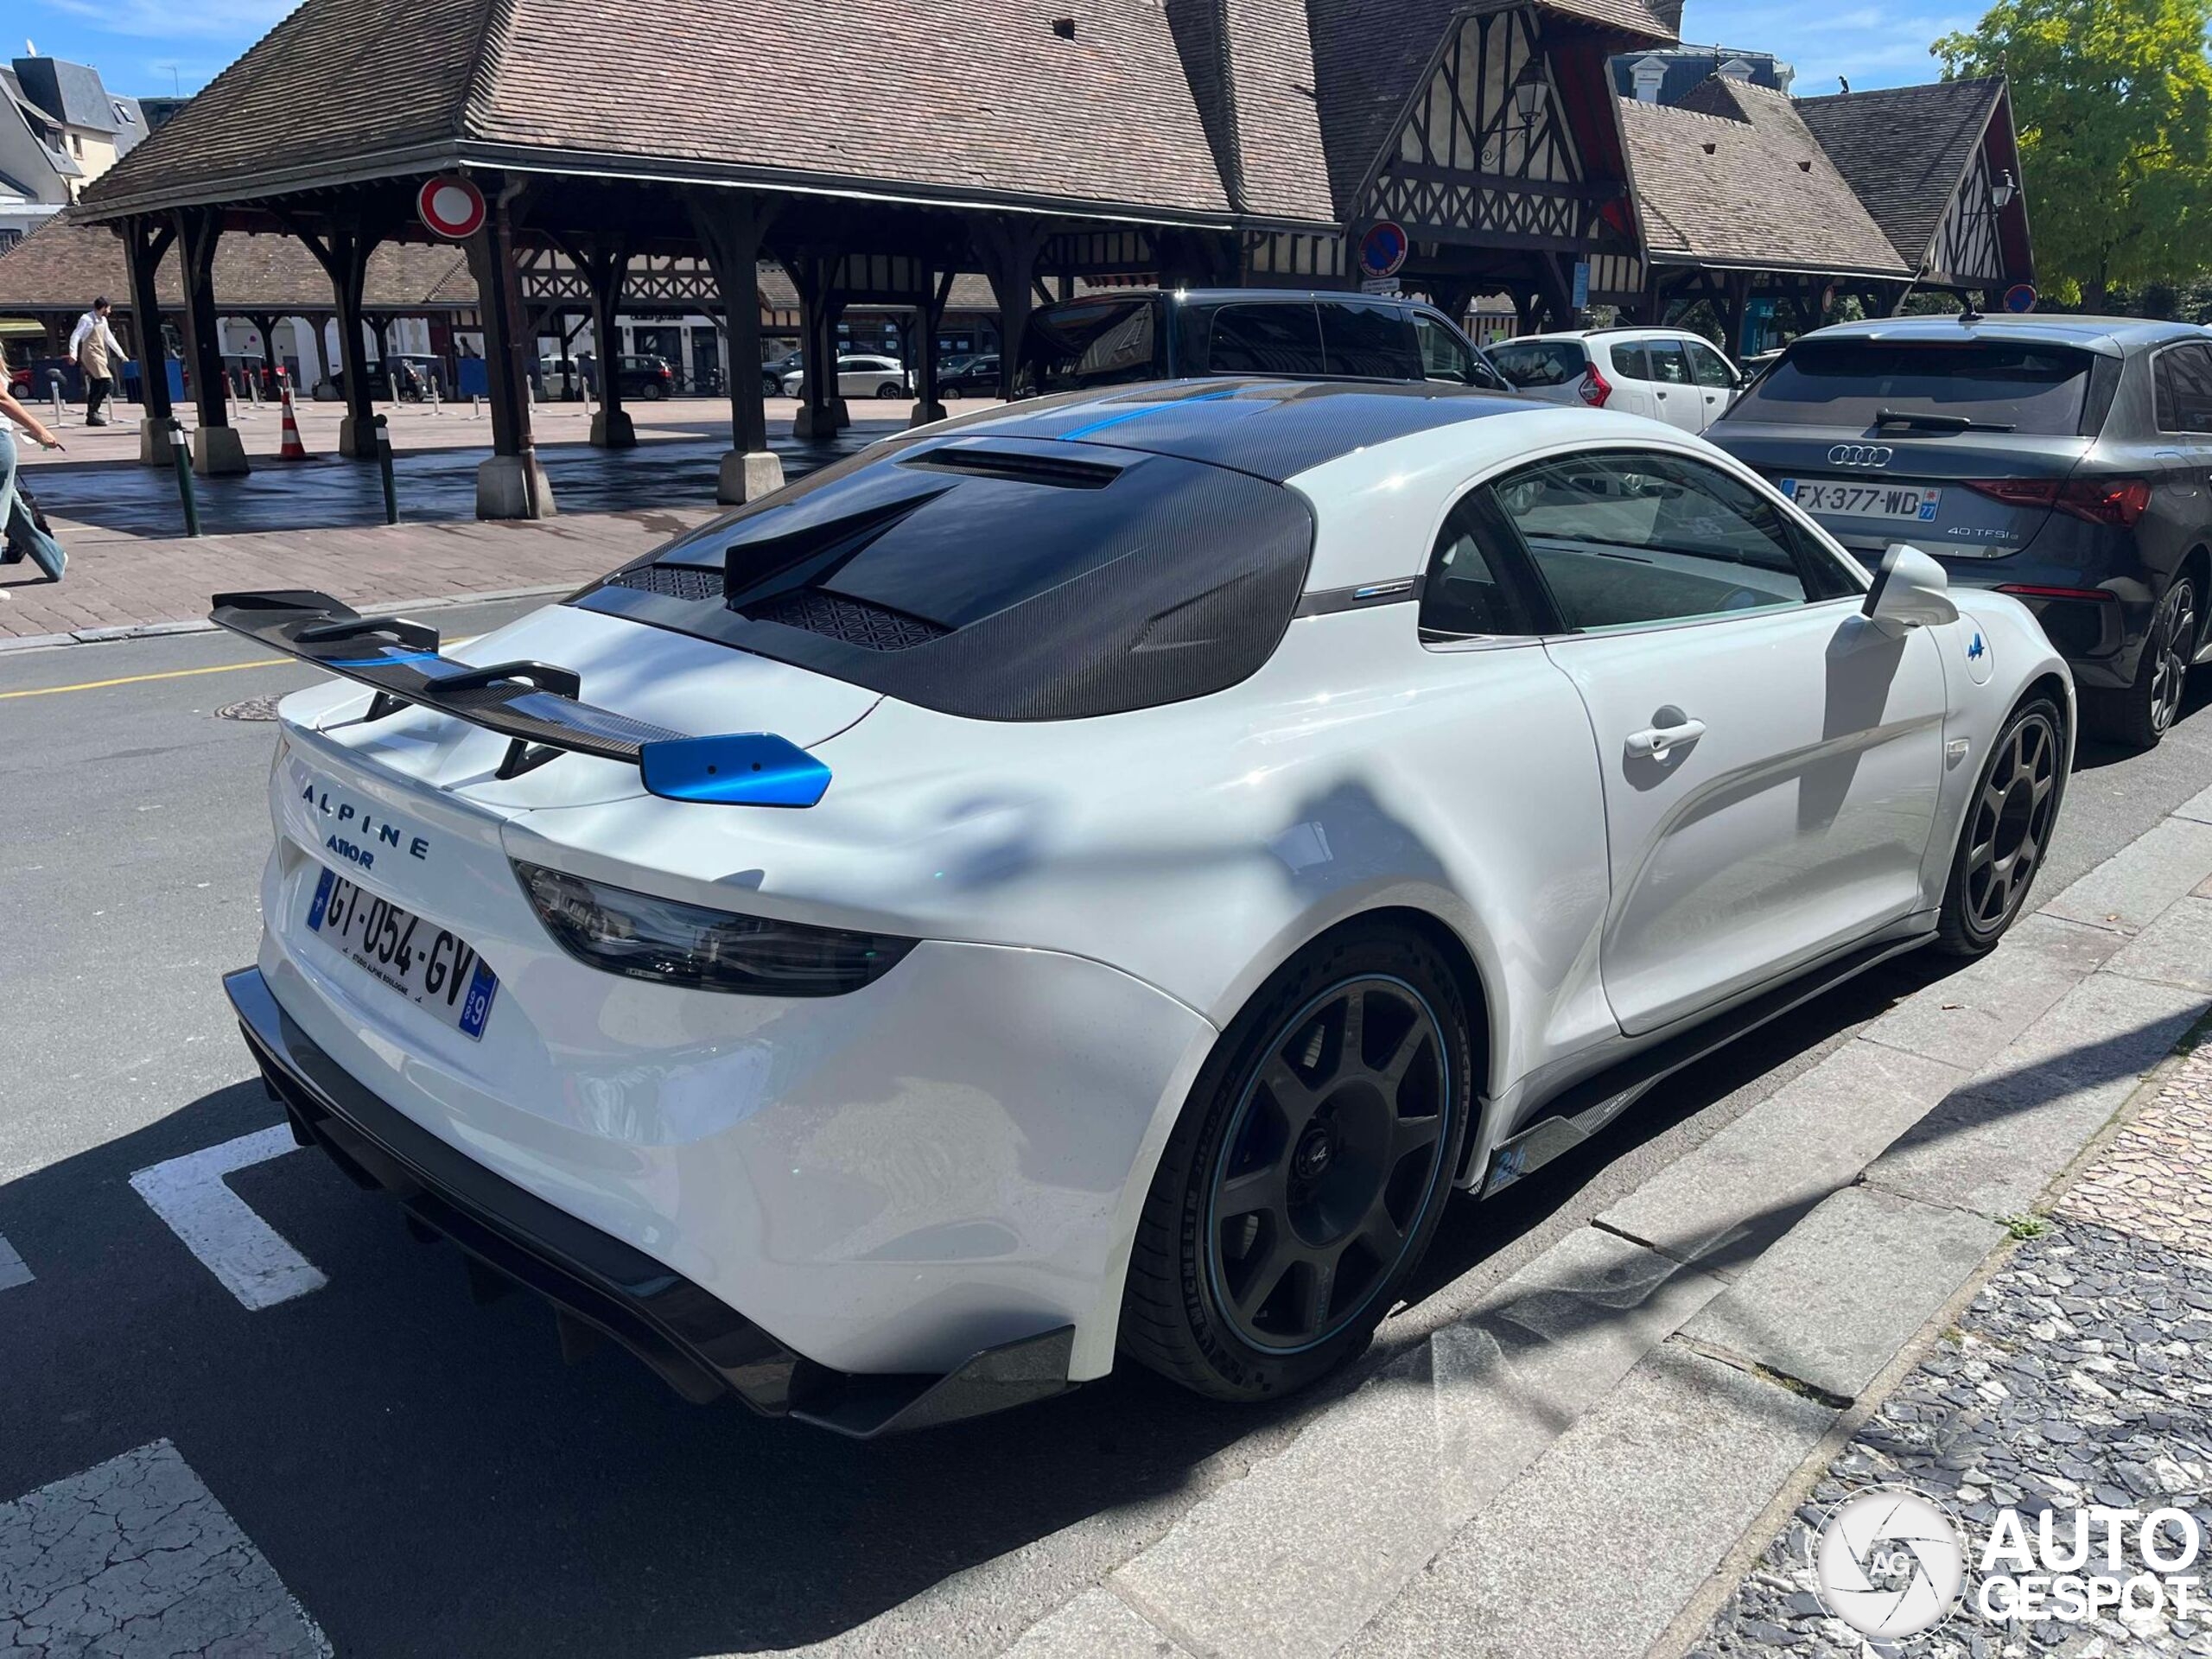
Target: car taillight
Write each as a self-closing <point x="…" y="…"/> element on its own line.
<point x="2116" y="501"/>
<point x="645" y="937"/>
<point x="1594" y="388"/>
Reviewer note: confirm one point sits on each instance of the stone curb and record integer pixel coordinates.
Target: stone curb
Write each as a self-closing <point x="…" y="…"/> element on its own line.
<point x="187" y="625"/>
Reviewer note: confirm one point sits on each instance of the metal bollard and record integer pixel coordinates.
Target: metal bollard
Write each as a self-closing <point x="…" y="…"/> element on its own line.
<point x="392" y="388"/>
<point x="181" y="453"/>
<point x="253" y="389"/>
<point x="475" y="407"/>
<point x="54" y="385"/>
<point x="384" y="467"/>
<point x="435" y="409"/>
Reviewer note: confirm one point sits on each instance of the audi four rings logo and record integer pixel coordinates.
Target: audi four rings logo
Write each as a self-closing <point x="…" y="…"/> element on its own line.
<point x="1860" y="455"/>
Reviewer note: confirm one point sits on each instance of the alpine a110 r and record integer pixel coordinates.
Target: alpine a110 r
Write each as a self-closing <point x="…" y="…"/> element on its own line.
<point x="1091" y="879"/>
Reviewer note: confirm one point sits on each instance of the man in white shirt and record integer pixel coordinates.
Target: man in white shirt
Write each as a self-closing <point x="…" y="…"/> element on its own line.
<point x="95" y="350"/>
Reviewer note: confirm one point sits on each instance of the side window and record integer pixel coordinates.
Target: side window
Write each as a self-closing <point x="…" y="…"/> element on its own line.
<point x="1375" y="342"/>
<point x="1708" y="366"/>
<point x="1461" y="596"/>
<point x="1622" y="539"/>
<point x="1667" y="365"/>
<point x="1266" y="340"/>
<point x="1442" y="356"/>
<point x="2182" y="377"/>
<point x="1632" y="361"/>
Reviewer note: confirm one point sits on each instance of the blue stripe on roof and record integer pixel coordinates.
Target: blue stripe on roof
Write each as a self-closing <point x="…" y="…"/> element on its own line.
<point x="1142" y="410"/>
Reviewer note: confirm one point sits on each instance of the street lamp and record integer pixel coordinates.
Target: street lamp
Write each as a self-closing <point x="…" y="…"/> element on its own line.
<point x="2001" y="194"/>
<point x="1528" y="98"/>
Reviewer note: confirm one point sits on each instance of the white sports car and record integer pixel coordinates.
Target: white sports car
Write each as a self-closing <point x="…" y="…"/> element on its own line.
<point x="1091" y="877"/>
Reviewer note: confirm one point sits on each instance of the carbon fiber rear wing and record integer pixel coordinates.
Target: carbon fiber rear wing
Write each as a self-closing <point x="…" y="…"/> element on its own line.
<point x="538" y="707"/>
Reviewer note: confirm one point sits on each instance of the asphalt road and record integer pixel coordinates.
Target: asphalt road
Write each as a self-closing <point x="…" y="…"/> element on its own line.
<point x="428" y="1477"/>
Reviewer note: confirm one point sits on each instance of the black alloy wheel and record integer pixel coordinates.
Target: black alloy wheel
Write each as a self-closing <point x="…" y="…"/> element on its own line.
<point x="1308" y="1171"/>
<point x="2171" y="644"/>
<point x="2007" y="830"/>
<point x="1323" y="1175"/>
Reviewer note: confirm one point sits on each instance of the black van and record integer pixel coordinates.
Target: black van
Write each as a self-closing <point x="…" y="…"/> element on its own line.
<point x="1149" y="333"/>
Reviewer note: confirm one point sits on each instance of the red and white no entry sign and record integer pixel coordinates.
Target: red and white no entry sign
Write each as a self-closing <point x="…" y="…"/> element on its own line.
<point x="450" y="206"/>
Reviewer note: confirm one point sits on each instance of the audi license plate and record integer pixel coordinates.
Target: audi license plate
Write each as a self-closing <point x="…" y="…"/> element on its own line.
<point x="1841" y="497"/>
<point x="434" y="970"/>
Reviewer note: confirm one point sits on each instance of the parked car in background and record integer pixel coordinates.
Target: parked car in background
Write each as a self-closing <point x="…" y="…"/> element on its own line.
<point x="973" y="375"/>
<point x="860" y="377"/>
<point x="1664" y="374"/>
<point x="649" y="377"/>
<point x="1133" y="335"/>
<point x="2062" y="460"/>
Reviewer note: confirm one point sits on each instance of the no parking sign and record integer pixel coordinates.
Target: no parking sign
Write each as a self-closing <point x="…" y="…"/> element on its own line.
<point x="1382" y="249"/>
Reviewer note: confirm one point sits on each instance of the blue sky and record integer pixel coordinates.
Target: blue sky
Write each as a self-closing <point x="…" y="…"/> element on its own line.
<point x="148" y="45"/>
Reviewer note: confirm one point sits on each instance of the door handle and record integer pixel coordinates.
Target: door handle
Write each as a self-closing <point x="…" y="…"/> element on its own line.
<point x="1654" y="741"/>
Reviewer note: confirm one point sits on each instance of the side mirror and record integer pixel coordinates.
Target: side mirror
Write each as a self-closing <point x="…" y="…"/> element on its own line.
<point x="1909" y="591"/>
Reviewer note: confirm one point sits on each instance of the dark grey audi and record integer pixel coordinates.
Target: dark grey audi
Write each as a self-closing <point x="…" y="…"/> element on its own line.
<point x="2067" y="461"/>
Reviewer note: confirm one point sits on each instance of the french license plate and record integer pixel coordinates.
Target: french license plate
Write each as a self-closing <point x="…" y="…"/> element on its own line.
<point x="1841" y="498"/>
<point x="434" y="970"/>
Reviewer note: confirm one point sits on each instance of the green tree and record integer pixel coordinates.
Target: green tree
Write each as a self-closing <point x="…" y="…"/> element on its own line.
<point x="2113" y="103"/>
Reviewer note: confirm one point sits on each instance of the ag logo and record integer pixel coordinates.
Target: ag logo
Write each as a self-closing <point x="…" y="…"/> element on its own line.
<point x="1860" y="455"/>
<point x="1889" y="1563"/>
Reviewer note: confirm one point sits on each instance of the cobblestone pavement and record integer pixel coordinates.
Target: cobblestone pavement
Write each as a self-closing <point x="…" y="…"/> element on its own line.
<point x="2078" y="1377"/>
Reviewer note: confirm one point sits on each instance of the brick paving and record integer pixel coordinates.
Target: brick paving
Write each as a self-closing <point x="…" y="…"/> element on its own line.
<point x="122" y="583"/>
<point x="2080" y="1376"/>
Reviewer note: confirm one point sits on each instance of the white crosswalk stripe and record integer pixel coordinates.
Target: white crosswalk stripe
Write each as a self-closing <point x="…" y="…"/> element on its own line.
<point x="135" y="1556"/>
<point x="251" y="1259"/>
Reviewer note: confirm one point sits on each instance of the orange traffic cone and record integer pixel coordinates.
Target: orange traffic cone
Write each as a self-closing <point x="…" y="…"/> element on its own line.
<point x="292" y="449"/>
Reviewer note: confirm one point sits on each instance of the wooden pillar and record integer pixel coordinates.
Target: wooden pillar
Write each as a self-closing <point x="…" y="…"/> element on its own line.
<point x="1736" y="293"/>
<point x="144" y="242"/>
<point x="929" y="317"/>
<point x="1009" y="249"/>
<point x="217" y="451"/>
<point x="731" y="227"/>
<point x="342" y="249"/>
<point x="604" y="263"/>
<point x="817" y="345"/>
<point x="512" y="484"/>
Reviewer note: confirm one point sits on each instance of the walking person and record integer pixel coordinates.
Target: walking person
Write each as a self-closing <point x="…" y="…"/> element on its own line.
<point x="24" y="531"/>
<point x="96" y="351"/>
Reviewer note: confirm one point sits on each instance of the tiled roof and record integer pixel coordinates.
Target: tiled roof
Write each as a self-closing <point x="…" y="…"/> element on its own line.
<point x="1282" y="165"/>
<point x="1904" y="150"/>
<point x="335" y="85"/>
<point x="1733" y="177"/>
<point x="958" y="99"/>
<point x="62" y="264"/>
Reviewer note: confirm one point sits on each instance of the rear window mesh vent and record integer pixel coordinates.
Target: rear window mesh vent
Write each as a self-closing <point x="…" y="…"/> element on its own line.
<point x="1022" y="466"/>
<point x="871" y="627"/>
<point x="674" y="580"/>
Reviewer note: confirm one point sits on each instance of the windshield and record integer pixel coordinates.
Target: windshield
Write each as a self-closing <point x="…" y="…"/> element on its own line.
<point x="1087" y="343"/>
<point x="2021" y="386"/>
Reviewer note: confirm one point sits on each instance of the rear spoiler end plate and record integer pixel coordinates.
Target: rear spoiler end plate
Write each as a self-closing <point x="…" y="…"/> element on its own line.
<point x="537" y="706"/>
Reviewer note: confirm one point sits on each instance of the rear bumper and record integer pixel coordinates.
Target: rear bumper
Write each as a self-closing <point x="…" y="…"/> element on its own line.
<point x="700" y="1346"/>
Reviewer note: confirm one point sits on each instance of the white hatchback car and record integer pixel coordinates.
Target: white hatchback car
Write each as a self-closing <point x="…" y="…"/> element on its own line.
<point x="1092" y="877"/>
<point x="1663" y="374"/>
<point x="860" y="376"/>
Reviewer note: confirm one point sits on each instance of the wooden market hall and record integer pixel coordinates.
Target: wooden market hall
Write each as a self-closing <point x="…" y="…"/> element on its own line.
<point x="1039" y="146"/>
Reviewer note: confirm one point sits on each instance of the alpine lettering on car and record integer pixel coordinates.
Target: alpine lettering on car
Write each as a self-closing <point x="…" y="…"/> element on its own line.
<point x="369" y="828"/>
